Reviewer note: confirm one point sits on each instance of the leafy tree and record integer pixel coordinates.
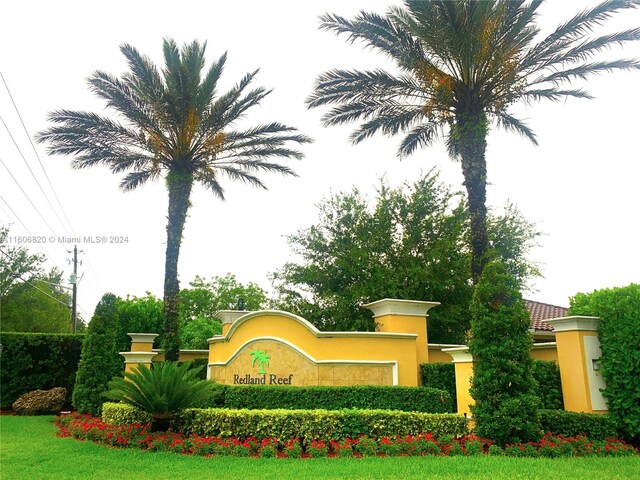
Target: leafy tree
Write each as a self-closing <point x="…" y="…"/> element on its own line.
<point x="37" y="306"/>
<point x="16" y="263"/>
<point x="462" y="65"/>
<point x="161" y="390"/>
<point x="194" y="334"/>
<point x="206" y="298"/>
<point x="411" y="243"/>
<point x="619" y="331"/>
<point x="506" y="407"/>
<point x="99" y="360"/>
<point x="177" y="126"/>
<point x="139" y="314"/>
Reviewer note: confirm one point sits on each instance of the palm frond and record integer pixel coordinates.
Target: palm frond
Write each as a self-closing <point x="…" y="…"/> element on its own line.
<point x="136" y="179"/>
<point x="510" y="123"/>
<point x="584" y="70"/>
<point x="420" y="136"/>
<point x="377" y="32"/>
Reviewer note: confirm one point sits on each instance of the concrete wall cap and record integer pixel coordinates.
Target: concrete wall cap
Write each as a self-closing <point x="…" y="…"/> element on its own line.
<point x="309" y="326"/>
<point x="574" y="323"/>
<point x="142" y="337"/>
<point x="459" y="354"/>
<point x="230" y="316"/>
<point x="138" y="357"/>
<point x="391" y="306"/>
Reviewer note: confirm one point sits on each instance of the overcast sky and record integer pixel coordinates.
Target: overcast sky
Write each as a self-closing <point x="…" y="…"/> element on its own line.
<point x="580" y="185"/>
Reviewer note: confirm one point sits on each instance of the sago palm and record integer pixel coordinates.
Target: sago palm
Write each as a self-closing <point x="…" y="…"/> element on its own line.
<point x="161" y="390"/>
<point x="462" y="65"/>
<point x="173" y="123"/>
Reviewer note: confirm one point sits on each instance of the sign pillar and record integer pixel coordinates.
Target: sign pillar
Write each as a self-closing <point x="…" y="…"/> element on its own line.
<point x="578" y="355"/>
<point x="404" y="316"/>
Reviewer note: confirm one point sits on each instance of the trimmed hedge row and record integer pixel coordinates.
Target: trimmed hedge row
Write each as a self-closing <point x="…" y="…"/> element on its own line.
<point x="546" y="375"/>
<point x="593" y="425"/>
<point x="409" y="399"/>
<point x="307" y="425"/>
<point x="619" y="331"/>
<point x="441" y="376"/>
<point x="37" y="361"/>
<point x="548" y="385"/>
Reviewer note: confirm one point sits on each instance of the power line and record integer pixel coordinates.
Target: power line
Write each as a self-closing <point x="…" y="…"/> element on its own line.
<point x="37" y="156"/>
<point x="19" y="277"/>
<point x="32" y="174"/>
<point x="29" y="233"/>
<point x="27" y="196"/>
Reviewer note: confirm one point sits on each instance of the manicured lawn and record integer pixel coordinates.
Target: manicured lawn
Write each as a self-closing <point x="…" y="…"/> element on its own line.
<point x="29" y="449"/>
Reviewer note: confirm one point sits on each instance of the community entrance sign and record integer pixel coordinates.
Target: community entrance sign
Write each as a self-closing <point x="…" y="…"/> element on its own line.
<point x="279" y="348"/>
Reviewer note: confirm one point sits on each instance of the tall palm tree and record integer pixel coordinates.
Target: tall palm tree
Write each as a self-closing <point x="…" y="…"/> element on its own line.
<point x="462" y="64"/>
<point x="174" y="125"/>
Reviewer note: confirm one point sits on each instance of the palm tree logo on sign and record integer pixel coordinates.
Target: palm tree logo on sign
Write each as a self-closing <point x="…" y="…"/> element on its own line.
<point x="262" y="359"/>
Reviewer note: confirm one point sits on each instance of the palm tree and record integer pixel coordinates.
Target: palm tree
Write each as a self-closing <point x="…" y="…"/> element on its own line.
<point x="462" y="64"/>
<point x="175" y="125"/>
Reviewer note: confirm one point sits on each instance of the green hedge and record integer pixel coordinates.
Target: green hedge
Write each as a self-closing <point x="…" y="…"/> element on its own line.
<point x="441" y="376"/>
<point x="548" y="385"/>
<point x="619" y="331"/>
<point x="304" y="424"/>
<point x="418" y="399"/>
<point x="37" y="361"/>
<point x="593" y="425"/>
<point x="123" y="414"/>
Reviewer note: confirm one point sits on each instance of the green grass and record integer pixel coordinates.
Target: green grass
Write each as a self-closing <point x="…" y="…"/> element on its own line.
<point x="29" y="449"/>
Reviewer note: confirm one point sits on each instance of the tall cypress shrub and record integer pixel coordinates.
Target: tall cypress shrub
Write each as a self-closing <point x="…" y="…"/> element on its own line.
<point x="506" y="407"/>
<point x="100" y="360"/>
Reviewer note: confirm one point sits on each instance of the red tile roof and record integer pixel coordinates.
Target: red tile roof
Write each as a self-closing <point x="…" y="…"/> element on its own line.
<point x="543" y="311"/>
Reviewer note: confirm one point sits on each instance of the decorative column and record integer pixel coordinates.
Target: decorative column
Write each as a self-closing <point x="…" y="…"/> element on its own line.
<point x="141" y="351"/>
<point x="578" y="355"/>
<point x="463" y="362"/>
<point x="404" y="316"/>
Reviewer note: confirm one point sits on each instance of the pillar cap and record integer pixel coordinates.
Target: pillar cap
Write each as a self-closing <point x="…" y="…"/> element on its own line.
<point x="142" y="337"/>
<point x="391" y="306"/>
<point x="574" y="323"/>
<point x="459" y="354"/>
<point x="230" y="316"/>
<point x="138" y="357"/>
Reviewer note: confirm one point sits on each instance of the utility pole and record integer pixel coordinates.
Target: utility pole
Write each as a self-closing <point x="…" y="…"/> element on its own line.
<point x="74" y="281"/>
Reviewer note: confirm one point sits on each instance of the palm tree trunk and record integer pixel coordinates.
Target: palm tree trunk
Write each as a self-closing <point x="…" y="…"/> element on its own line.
<point x="179" y="186"/>
<point x="472" y="144"/>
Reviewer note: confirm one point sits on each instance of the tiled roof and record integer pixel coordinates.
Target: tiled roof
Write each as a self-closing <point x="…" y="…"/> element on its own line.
<point x="542" y="311"/>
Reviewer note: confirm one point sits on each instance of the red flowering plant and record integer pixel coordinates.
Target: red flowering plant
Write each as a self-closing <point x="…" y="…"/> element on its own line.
<point x="317" y="449"/>
<point x="84" y="427"/>
<point x="366" y="446"/>
<point x="291" y="449"/>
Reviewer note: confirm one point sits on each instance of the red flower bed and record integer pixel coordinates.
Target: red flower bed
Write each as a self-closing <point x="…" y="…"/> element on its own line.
<point x="85" y="427"/>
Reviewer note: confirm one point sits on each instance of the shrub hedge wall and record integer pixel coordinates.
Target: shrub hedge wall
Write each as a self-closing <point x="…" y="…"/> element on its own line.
<point x="441" y="376"/>
<point x="418" y="399"/>
<point x="304" y="424"/>
<point x="37" y="361"/>
<point x="619" y="331"/>
<point x="593" y="425"/>
<point x="546" y="376"/>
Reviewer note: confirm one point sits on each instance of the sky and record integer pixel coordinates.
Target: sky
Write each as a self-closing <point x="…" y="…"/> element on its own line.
<point x="580" y="185"/>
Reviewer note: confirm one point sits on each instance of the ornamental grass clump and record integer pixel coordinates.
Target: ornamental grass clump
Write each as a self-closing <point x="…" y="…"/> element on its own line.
<point x="161" y="391"/>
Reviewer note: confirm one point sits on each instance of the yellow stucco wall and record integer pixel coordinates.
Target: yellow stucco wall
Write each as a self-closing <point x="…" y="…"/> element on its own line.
<point x="407" y="324"/>
<point x="436" y="355"/>
<point x="573" y="370"/>
<point x="464" y="372"/>
<point x="287" y="366"/>
<point x="341" y="349"/>
<point x="547" y="353"/>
